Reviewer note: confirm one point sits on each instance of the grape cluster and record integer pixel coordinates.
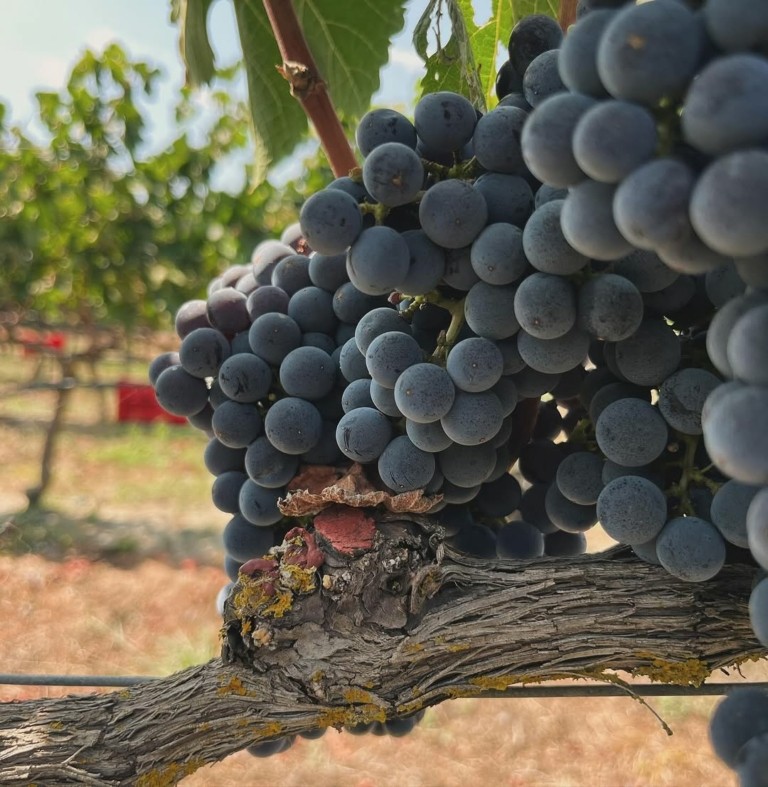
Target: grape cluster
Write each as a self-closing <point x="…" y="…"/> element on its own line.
<point x="659" y="137"/>
<point x="546" y="316"/>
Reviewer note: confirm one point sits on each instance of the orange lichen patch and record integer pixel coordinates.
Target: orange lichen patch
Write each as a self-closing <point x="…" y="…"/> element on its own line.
<point x="232" y="686"/>
<point x="357" y="695"/>
<point x="691" y="672"/>
<point x="169" y="775"/>
<point x="351" y="716"/>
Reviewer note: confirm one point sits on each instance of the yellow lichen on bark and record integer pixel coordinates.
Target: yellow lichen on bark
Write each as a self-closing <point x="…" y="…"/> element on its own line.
<point x="169" y="775"/>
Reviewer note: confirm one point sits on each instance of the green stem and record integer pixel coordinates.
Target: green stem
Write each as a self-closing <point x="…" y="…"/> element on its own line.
<point x="447" y="338"/>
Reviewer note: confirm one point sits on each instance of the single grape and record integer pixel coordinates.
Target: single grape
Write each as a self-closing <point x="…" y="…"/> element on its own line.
<point x="180" y="393"/>
<point x="243" y="541"/>
<point x="729" y="511"/>
<point x="545" y="245"/>
<point x="508" y="198"/>
<point x="467" y="465"/>
<point x="427" y="264"/>
<point x="474" y="418"/>
<point x="312" y="310"/>
<point x="403" y="467"/>
<point x="609" y="307"/>
<point x="588" y="224"/>
<point x="488" y="311"/>
<point x="424" y="392"/>
<point x="747" y="348"/>
<point x="225" y="491"/>
<point x="726" y="106"/>
<point x="475" y="364"/>
<point x="390" y="354"/>
<point x="631" y="432"/>
<point x="519" y="541"/>
<point x="452" y="213"/>
<point x="567" y="515"/>
<point x="691" y="549"/>
<point x="736" y="25"/>
<point x="308" y="373"/>
<point x="532" y="35"/>
<point x="547" y="139"/>
<point x="363" y="434"/>
<point x="496" y="141"/>
<point x="244" y="377"/>
<point x="579" y="477"/>
<point x="757" y="527"/>
<point x="545" y="305"/>
<point x="542" y="78"/>
<point x="236" y="424"/>
<point x="291" y="274"/>
<point x="758" y="611"/>
<point x="444" y="121"/>
<point x="267" y="466"/>
<point x="202" y="352"/>
<point x="650" y="355"/>
<point x="326" y="271"/>
<point x="727" y="203"/>
<point x="632" y="510"/>
<point x="497" y="255"/>
<point x="383" y="125"/>
<point x="682" y="397"/>
<point x="190" y="315"/>
<point x="272" y="336"/>
<point x="428" y="436"/>
<point x="578" y="54"/>
<point x="554" y="356"/>
<point x="499" y="498"/>
<point x="330" y="221"/>
<point x="650" y="51"/>
<point x="219" y="458"/>
<point x="393" y="174"/>
<point x="562" y="544"/>
<point x="293" y="425"/>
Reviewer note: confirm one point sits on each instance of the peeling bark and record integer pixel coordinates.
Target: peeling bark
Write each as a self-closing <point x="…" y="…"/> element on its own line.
<point x="318" y="636"/>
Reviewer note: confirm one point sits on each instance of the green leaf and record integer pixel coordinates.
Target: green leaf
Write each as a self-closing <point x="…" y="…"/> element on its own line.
<point x="195" y="47"/>
<point x="467" y="63"/>
<point x="277" y="119"/>
<point x="350" y="44"/>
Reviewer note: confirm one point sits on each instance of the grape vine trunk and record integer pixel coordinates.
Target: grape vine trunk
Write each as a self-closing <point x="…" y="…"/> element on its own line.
<point x="424" y="626"/>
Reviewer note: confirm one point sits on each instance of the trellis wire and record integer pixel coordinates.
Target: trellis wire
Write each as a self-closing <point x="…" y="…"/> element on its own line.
<point x="539" y="692"/>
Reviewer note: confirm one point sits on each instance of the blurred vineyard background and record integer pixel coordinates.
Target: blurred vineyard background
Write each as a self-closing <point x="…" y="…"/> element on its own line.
<point x="116" y="566"/>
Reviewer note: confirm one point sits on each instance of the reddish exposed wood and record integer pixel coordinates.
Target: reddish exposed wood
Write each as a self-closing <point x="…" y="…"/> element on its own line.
<point x="347" y="530"/>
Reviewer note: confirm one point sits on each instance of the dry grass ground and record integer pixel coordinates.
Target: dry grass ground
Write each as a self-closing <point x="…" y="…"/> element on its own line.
<point x="140" y="614"/>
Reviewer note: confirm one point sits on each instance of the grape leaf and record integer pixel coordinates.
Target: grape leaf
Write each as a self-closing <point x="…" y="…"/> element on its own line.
<point x="195" y="47"/>
<point x="349" y="42"/>
<point x="467" y="62"/>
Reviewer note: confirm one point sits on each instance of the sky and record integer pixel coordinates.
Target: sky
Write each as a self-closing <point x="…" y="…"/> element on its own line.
<point x="41" y="39"/>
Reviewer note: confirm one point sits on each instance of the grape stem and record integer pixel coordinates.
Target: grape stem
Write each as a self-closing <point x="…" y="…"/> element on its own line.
<point x="447" y="338"/>
<point x="567" y="14"/>
<point x="307" y="85"/>
<point x="689" y="475"/>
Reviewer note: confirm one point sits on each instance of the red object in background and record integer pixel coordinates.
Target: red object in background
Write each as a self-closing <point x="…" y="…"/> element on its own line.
<point x="33" y="342"/>
<point x="137" y="402"/>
